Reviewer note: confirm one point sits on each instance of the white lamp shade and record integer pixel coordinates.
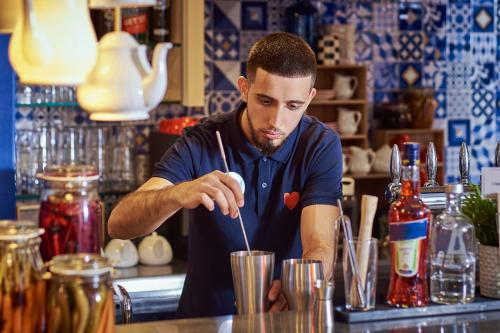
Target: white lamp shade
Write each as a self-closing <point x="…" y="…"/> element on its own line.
<point x="53" y="43"/>
<point x="121" y="3"/>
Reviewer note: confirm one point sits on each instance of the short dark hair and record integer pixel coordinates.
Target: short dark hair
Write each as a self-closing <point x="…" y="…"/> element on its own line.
<point x="283" y="54"/>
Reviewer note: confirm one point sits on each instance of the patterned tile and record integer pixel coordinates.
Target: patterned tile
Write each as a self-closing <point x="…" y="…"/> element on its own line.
<point x="459" y="76"/>
<point x="483" y="103"/>
<point x="223" y="101"/>
<point x="459" y="48"/>
<point x="168" y="111"/>
<point x="254" y="15"/>
<point x="410" y="75"/>
<point x="434" y="17"/>
<point x="227" y="15"/>
<point x="435" y="74"/>
<point x="274" y="20"/>
<point x="483" y="47"/>
<point x="385" y="17"/>
<point x="483" y="131"/>
<point x="411" y="46"/>
<point x="481" y="156"/>
<point x="435" y="46"/>
<point x="226" y="45"/>
<point x="410" y="16"/>
<point x="208" y="76"/>
<point x="209" y="50"/>
<point x="483" y="18"/>
<point x="441" y="111"/>
<point x="247" y="39"/>
<point x="360" y="14"/>
<point x="386" y="76"/>
<point x="452" y="164"/>
<point x="458" y="104"/>
<point x="385" y="46"/>
<point x="225" y="74"/>
<point x="363" y="46"/>
<point x="483" y="76"/>
<point x="458" y="131"/>
<point x="208" y="15"/>
<point x="381" y="96"/>
<point x="459" y="18"/>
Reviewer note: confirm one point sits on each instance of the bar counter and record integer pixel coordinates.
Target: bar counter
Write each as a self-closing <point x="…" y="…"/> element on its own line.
<point x="293" y="321"/>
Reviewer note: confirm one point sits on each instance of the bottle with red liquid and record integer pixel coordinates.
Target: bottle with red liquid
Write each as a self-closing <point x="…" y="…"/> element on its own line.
<point x="70" y="211"/>
<point x="409" y="223"/>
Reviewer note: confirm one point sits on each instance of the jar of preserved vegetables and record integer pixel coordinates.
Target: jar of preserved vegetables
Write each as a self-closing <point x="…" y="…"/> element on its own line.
<point x="22" y="288"/>
<point x="70" y="211"/>
<point x="80" y="296"/>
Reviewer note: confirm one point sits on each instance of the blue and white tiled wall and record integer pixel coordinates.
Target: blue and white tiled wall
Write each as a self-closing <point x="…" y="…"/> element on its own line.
<point x="452" y="46"/>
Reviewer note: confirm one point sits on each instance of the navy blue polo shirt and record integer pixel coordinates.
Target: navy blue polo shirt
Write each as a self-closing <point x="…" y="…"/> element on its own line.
<point x="305" y="170"/>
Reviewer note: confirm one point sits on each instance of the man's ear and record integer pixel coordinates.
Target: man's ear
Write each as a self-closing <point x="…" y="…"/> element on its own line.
<point x="243" y="86"/>
<point x="312" y="93"/>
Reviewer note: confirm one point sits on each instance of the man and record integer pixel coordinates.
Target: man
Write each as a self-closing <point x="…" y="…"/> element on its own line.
<point x="291" y="165"/>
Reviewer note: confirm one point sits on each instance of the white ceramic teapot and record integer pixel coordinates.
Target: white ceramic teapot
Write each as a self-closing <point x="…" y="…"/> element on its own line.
<point x="345" y="86"/>
<point x="155" y="250"/>
<point x="382" y="161"/>
<point x="361" y="160"/>
<point x="122" y="85"/>
<point x="344" y="164"/>
<point x="53" y="42"/>
<point x="348" y="121"/>
<point x="121" y="253"/>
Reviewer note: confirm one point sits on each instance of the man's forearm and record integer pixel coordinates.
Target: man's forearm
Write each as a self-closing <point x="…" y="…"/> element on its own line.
<point x="141" y="212"/>
<point x="325" y="254"/>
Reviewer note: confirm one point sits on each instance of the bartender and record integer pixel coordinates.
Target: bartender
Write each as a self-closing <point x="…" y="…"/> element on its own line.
<point x="291" y="164"/>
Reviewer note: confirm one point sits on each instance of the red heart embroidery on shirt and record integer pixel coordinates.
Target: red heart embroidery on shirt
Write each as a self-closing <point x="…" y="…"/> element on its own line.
<point x="291" y="199"/>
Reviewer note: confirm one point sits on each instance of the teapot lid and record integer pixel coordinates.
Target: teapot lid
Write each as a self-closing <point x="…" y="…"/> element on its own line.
<point x="117" y="39"/>
<point x="12" y="230"/>
<point x="81" y="264"/>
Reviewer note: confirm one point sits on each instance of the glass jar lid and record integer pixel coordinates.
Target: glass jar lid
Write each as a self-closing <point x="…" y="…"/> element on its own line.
<point x="12" y="230"/>
<point x="80" y="264"/>
<point x="69" y="173"/>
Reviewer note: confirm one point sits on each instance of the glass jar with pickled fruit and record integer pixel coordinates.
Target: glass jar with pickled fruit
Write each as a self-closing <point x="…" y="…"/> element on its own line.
<point x="22" y="288"/>
<point x="80" y="296"/>
<point x="70" y="210"/>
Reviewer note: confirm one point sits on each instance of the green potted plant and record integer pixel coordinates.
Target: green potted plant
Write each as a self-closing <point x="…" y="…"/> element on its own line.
<point x="483" y="213"/>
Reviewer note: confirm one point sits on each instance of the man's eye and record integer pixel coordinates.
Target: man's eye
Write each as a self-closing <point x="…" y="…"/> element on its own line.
<point x="265" y="102"/>
<point x="293" y="106"/>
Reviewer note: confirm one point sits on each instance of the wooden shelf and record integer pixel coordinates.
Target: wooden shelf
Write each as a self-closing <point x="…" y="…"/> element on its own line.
<point x="368" y="175"/>
<point x="412" y="131"/>
<point x="338" y="102"/>
<point x="353" y="137"/>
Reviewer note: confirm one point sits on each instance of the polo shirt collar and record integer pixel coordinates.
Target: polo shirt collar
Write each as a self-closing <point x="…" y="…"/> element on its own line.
<point x="249" y="152"/>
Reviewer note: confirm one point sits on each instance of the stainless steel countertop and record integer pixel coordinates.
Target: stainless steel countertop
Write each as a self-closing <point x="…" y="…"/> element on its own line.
<point x="153" y="289"/>
<point x="292" y="321"/>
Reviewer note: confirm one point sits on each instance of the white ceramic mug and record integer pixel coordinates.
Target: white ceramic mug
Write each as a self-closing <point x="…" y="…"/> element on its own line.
<point x="361" y="160"/>
<point x="348" y="121"/>
<point x="121" y="253"/>
<point x="155" y="250"/>
<point x="345" y="86"/>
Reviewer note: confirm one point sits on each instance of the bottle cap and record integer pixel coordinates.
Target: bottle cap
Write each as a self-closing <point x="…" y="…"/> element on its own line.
<point x="411" y="153"/>
<point x="454" y="188"/>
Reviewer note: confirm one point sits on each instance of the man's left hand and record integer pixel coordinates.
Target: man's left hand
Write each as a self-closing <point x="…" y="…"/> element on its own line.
<point x="276" y="297"/>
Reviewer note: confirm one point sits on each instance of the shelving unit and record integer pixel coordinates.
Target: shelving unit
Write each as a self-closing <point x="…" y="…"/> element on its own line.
<point x="423" y="136"/>
<point x="326" y="110"/>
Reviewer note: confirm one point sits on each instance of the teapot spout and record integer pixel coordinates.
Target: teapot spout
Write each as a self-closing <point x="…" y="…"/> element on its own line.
<point x="155" y="83"/>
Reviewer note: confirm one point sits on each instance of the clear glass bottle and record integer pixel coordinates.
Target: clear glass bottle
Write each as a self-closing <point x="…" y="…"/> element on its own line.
<point x="452" y="253"/>
<point x="22" y="288"/>
<point x="409" y="220"/>
<point x="70" y="211"/>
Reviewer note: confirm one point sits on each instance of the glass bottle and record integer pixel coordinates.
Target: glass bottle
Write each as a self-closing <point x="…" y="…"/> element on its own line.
<point x="22" y="288"/>
<point x="409" y="220"/>
<point x="80" y="296"/>
<point x="70" y="211"/>
<point x="301" y="19"/>
<point x="452" y="255"/>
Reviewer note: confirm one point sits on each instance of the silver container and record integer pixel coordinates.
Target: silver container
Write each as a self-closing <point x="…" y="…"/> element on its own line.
<point x="252" y="278"/>
<point x="297" y="282"/>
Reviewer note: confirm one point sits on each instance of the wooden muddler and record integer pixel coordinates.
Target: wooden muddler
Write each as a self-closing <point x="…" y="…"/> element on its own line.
<point x="368" y="210"/>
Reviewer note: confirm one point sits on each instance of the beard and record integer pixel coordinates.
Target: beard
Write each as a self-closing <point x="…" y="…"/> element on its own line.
<point x="266" y="146"/>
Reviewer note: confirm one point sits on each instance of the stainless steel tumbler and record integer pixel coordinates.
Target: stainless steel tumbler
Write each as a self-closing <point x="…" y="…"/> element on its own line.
<point x="297" y="282"/>
<point x="252" y="278"/>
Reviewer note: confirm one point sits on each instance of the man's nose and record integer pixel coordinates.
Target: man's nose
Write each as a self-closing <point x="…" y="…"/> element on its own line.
<point x="275" y="117"/>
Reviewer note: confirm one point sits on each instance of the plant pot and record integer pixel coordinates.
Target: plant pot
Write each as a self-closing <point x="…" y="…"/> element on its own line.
<point x="489" y="271"/>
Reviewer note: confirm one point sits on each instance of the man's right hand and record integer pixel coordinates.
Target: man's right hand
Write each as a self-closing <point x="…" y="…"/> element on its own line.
<point x="214" y="187"/>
